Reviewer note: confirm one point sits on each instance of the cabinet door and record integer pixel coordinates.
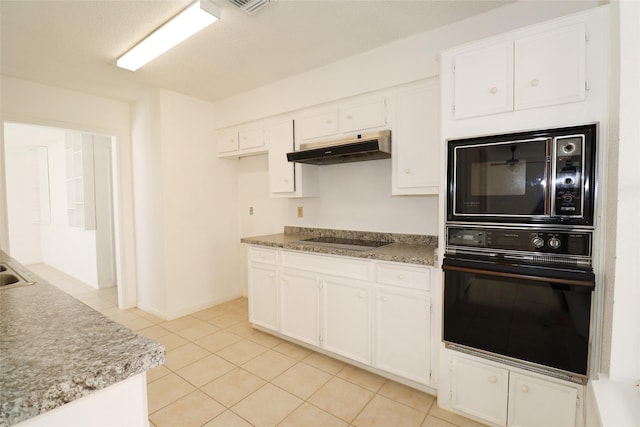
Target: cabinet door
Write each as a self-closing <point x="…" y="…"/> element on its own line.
<point x="480" y="390"/>
<point x="366" y="115"/>
<point x="535" y="402"/>
<point x="402" y="333"/>
<point x="281" y="172"/>
<point x="317" y="125"/>
<point x="251" y="137"/>
<point x="228" y="141"/>
<point x="299" y="304"/>
<point x="550" y="68"/>
<point x="263" y="295"/>
<point x="416" y="144"/>
<point x="483" y="81"/>
<point x="346" y="318"/>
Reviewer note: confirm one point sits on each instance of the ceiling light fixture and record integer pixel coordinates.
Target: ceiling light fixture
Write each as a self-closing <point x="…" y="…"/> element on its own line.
<point x="194" y="18"/>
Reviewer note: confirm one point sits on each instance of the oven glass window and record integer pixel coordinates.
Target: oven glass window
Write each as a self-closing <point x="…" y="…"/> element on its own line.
<point x="539" y="322"/>
<point x="501" y="178"/>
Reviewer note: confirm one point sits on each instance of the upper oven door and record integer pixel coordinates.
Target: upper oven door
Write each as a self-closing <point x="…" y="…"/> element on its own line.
<point x="499" y="181"/>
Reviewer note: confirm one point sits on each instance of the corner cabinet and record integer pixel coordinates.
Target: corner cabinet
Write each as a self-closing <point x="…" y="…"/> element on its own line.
<point x="541" y="69"/>
<point x="374" y="313"/>
<point x="511" y="397"/>
<point x="415" y="142"/>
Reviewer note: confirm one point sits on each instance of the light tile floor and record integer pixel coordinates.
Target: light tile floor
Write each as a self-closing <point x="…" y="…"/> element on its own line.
<point x="220" y="372"/>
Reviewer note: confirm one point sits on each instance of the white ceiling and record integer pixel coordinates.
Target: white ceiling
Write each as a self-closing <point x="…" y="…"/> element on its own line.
<point x="74" y="44"/>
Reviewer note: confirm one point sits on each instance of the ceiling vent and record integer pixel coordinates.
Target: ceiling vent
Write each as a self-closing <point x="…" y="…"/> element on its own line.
<point x="249" y="6"/>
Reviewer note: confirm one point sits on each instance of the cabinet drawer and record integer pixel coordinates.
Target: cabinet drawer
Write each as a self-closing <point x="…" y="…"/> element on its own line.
<point x="266" y="256"/>
<point x="400" y="275"/>
<point x="335" y="266"/>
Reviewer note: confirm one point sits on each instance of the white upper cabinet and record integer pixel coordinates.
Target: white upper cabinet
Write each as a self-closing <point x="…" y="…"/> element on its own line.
<point x="281" y="172"/>
<point x="244" y="140"/>
<point x="364" y="115"/>
<point x="484" y="81"/>
<point x="287" y="179"/>
<point x="343" y="119"/>
<point x="317" y="125"/>
<point x="550" y="68"/>
<point x="415" y="142"/>
<point x="347" y="318"/>
<point x="543" y="69"/>
<point x="228" y="141"/>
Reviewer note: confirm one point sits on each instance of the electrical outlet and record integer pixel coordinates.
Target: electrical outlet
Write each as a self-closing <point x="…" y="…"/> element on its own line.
<point x="300" y="212"/>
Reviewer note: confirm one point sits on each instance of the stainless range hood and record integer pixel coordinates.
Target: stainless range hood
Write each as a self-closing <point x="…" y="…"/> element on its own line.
<point x="357" y="148"/>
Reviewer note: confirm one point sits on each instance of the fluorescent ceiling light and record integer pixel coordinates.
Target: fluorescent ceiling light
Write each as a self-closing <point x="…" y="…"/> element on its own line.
<point x="194" y="18"/>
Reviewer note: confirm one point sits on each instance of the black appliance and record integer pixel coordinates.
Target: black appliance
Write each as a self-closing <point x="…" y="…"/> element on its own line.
<point x="520" y="296"/>
<point x="536" y="177"/>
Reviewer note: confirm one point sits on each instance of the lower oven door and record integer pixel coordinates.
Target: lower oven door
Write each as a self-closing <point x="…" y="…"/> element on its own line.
<point x="522" y="313"/>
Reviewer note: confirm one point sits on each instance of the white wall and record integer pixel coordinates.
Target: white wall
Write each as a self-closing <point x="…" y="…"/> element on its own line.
<point x="24" y="233"/>
<point x="186" y="210"/>
<point x="28" y="102"/>
<point x="68" y="249"/>
<point x="149" y="207"/>
<point x="625" y="339"/>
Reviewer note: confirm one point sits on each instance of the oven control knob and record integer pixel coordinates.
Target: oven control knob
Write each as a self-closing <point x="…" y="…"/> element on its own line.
<point x="537" y="242"/>
<point x="554" y="243"/>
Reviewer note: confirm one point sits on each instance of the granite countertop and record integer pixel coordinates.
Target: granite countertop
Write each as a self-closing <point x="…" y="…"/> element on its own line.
<point x="54" y="349"/>
<point x="405" y="248"/>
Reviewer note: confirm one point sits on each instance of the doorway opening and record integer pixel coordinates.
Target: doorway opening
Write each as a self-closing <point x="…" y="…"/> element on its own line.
<point x="60" y="201"/>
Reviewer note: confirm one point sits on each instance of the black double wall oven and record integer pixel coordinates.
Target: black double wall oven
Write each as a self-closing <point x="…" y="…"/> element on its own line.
<point x="518" y="277"/>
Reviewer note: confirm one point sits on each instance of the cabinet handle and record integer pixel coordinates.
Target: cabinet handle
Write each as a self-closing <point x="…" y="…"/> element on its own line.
<point x="349" y="117"/>
<point x="329" y="122"/>
<point x="271" y="275"/>
<point x="535" y="82"/>
<point x="493" y="90"/>
<point x="493" y="380"/>
<point x="524" y="388"/>
<point x="385" y="299"/>
<point x="401" y="276"/>
<point x="407" y="171"/>
<point x="286" y="181"/>
<point x="361" y="295"/>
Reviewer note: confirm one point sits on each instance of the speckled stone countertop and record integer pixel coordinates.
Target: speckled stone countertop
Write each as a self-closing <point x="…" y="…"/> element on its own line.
<point x="406" y="248"/>
<point x="54" y="349"/>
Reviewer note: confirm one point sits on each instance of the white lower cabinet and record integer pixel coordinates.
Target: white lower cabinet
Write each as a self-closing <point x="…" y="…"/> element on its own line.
<point x="480" y="390"/>
<point x="402" y="333"/>
<point x="372" y="312"/>
<point x="506" y="397"/>
<point x="263" y="288"/>
<point x="299" y="308"/>
<point x="535" y="402"/>
<point x="347" y="318"/>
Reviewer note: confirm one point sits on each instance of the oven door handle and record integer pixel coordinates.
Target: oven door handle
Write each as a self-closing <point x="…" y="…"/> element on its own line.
<point x="546" y="279"/>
